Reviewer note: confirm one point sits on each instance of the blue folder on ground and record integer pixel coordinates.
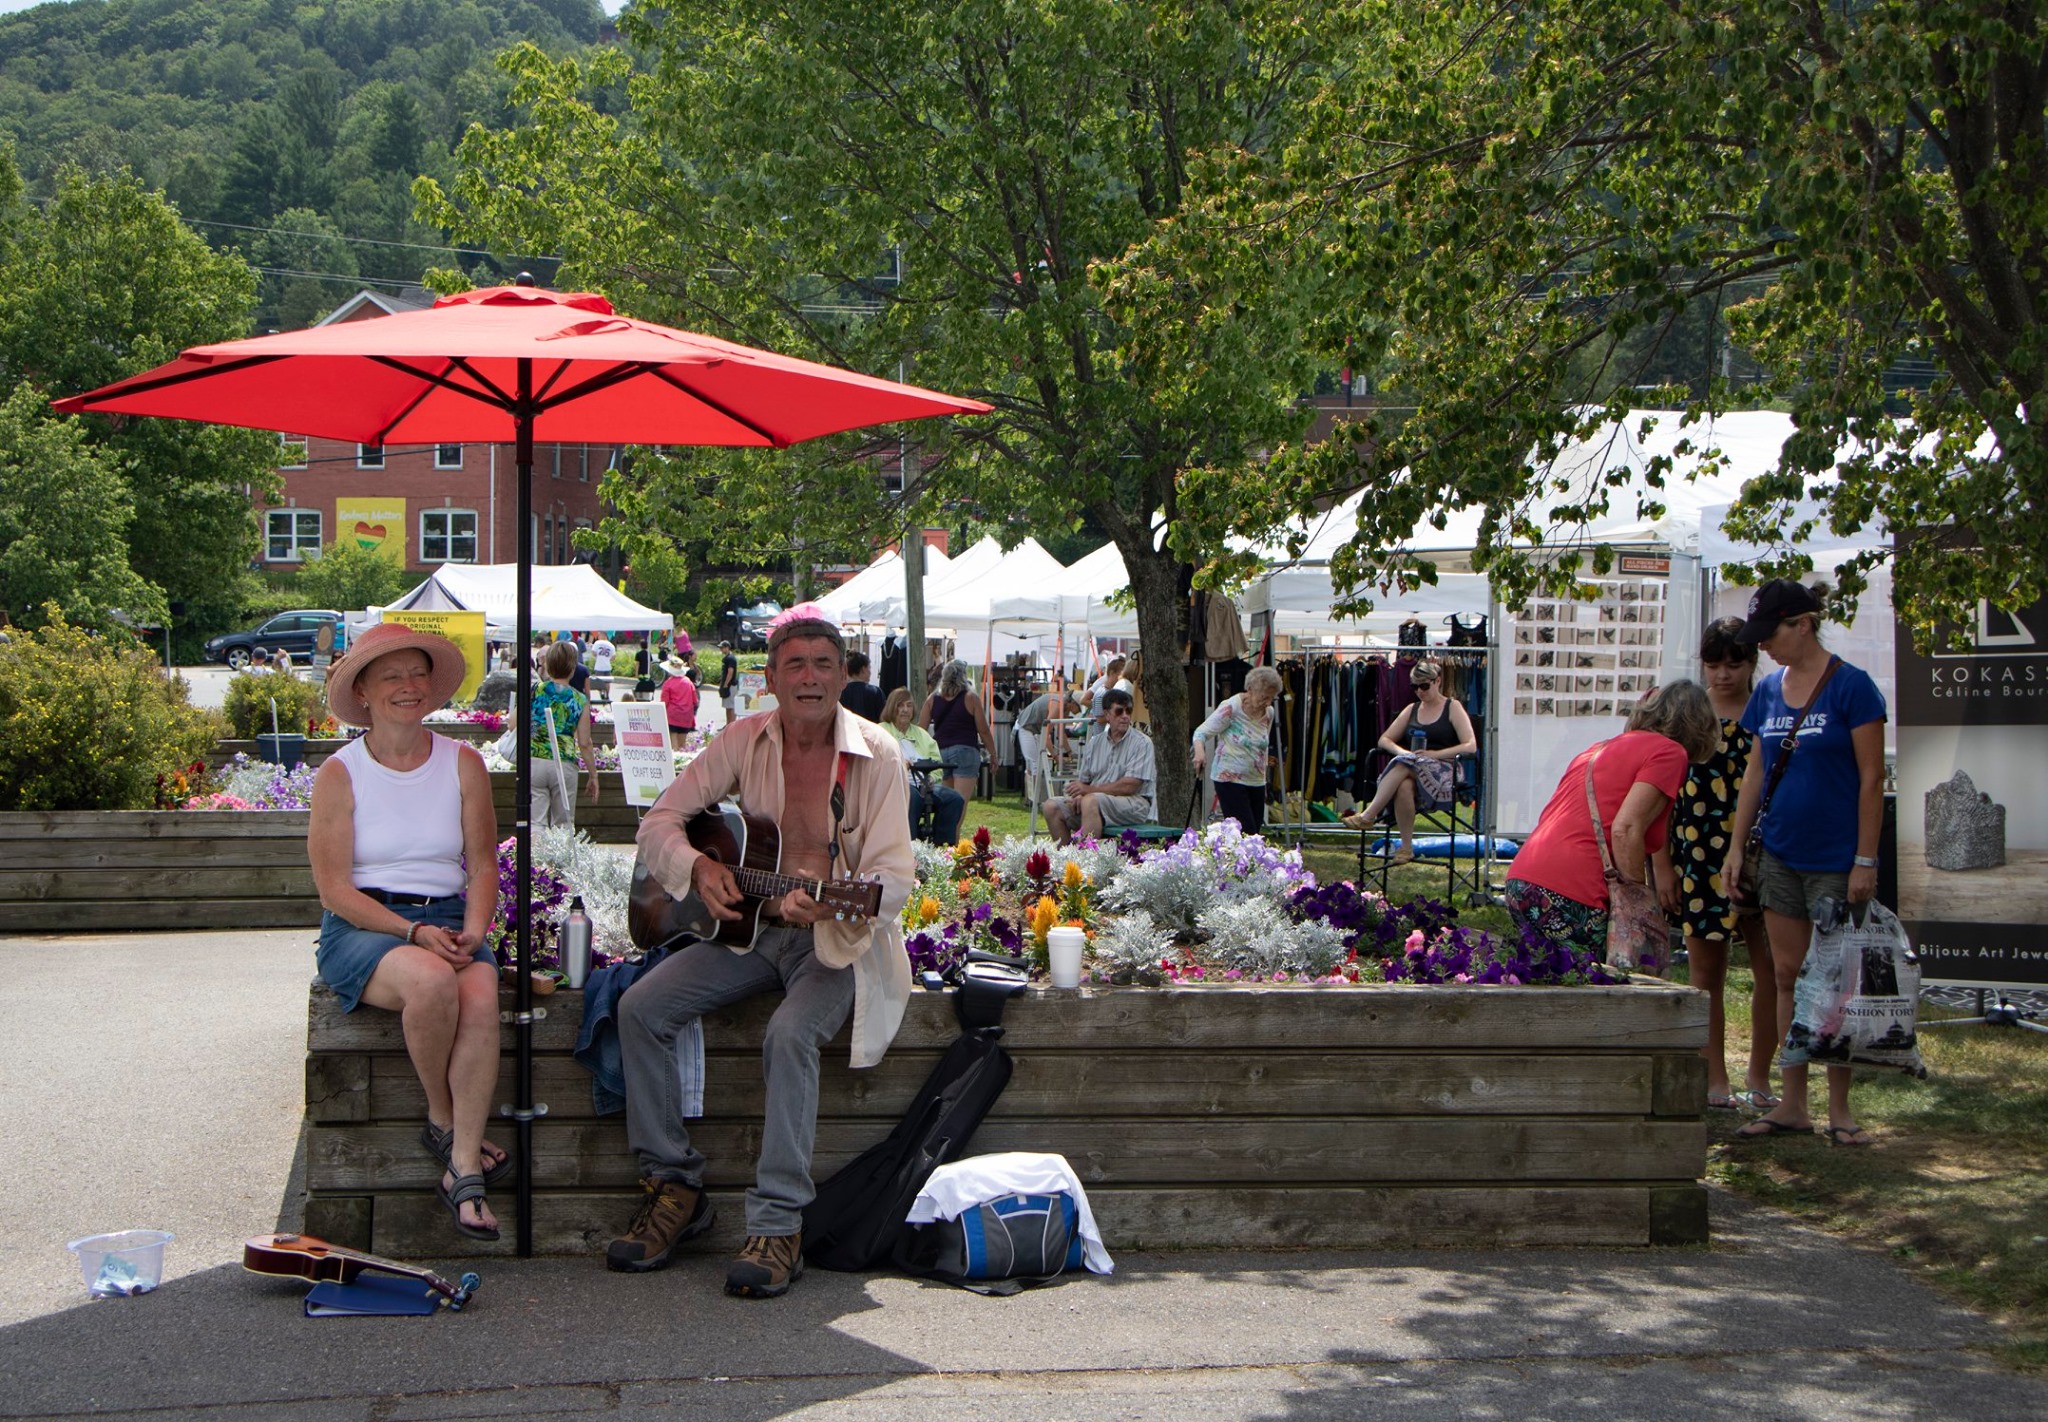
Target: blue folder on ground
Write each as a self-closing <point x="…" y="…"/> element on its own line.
<point x="371" y="1296"/>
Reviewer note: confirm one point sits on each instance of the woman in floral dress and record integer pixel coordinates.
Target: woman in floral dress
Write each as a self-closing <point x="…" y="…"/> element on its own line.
<point x="1689" y="876"/>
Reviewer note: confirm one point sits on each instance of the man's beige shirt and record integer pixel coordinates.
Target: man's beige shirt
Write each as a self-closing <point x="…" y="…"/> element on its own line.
<point x="874" y="842"/>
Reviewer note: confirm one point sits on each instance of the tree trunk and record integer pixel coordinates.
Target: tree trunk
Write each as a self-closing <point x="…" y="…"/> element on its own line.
<point x="1162" y="630"/>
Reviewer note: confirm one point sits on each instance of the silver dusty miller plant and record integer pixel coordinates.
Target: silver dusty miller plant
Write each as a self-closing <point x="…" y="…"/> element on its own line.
<point x="602" y="877"/>
<point x="1256" y="936"/>
<point x="1131" y="942"/>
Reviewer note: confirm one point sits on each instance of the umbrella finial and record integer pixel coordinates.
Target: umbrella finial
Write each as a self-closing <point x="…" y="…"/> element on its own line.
<point x="524" y="279"/>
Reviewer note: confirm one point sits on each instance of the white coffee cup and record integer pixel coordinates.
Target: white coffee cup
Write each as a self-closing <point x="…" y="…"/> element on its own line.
<point x="1063" y="948"/>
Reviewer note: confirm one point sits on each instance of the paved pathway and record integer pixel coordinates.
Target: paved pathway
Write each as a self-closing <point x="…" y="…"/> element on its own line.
<point x="153" y="1080"/>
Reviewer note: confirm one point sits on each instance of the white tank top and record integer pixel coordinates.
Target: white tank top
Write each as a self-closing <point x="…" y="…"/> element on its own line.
<point x="408" y="822"/>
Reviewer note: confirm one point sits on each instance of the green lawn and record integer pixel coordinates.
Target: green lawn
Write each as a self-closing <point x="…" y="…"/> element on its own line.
<point x="1956" y="1185"/>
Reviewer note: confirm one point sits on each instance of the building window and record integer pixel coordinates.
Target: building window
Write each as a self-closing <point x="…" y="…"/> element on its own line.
<point x="291" y="535"/>
<point x="447" y="456"/>
<point x="448" y="536"/>
<point x="369" y="456"/>
<point x="291" y="452"/>
<point x="583" y="463"/>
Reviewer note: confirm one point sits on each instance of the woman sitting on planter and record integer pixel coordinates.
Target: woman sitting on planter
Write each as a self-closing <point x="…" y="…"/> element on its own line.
<point x="1558" y="885"/>
<point x="1425" y="741"/>
<point x="552" y="790"/>
<point x="404" y="849"/>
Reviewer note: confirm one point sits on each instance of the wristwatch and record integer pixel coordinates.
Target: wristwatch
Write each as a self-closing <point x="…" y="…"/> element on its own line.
<point x="1865" y="861"/>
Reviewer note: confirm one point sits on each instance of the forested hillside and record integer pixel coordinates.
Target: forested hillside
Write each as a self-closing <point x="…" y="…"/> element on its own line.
<point x="279" y="128"/>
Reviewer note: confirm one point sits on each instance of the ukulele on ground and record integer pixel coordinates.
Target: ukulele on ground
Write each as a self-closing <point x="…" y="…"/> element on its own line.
<point x="752" y="848"/>
<point x="301" y="1256"/>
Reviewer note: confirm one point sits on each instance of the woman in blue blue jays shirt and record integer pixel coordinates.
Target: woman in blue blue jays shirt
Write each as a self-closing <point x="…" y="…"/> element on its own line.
<point x="1820" y="830"/>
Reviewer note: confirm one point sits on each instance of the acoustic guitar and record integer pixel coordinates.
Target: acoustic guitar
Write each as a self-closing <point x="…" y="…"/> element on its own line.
<point x="751" y="847"/>
<point x="301" y="1256"/>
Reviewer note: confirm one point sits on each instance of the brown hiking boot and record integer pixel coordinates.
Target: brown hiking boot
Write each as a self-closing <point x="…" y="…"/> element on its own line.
<point x="767" y="1266"/>
<point x="671" y="1213"/>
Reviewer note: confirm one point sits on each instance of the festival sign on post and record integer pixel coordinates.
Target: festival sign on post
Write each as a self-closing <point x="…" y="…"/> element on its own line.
<point x="646" y="764"/>
<point x="376" y="524"/>
<point x="1973" y="800"/>
<point x="464" y="629"/>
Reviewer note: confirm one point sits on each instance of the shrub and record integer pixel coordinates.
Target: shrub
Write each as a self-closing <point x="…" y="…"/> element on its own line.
<point x="248" y="704"/>
<point x="91" y="724"/>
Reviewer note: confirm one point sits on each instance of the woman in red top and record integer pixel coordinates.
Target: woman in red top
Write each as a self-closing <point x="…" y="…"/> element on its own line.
<point x="1559" y="886"/>
<point x="679" y="695"/>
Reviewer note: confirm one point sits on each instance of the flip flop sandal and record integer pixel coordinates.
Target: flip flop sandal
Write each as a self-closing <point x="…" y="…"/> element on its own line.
<point x="465" y="1189"/>
<point x="1854" y="1137"/>
<point x="1762" y="1128"/>
<point x="440" y="1144"/>
<point x="1724" y="1102"/>
<point x="1757" y="1099"/>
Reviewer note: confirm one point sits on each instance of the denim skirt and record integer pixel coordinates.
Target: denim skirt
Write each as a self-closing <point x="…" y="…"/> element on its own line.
<point x="348" y="955"/>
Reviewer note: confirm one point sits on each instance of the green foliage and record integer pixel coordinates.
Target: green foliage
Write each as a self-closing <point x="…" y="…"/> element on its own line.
<point x="769" y="187"/>
<point x="348" y="577"/>
<point x="1519" y="211"/>
<point x="249" y="697"/>
<point x="242" y="110"/>
<point x="88" y="723"/>
<point x="64" y="516"/>
<point x="100" y="283"/>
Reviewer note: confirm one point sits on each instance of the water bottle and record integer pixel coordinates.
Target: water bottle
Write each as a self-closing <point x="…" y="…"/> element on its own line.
<point x="575" y="943"/>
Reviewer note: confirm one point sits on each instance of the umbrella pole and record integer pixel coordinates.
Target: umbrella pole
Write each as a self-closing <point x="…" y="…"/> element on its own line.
<point x="523" y="1110"/>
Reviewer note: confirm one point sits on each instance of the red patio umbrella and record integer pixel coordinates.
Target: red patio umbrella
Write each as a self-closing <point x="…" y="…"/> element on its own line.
<point x="515" y="364"/>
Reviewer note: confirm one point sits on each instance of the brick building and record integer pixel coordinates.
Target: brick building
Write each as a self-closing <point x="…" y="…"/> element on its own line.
<point x="450" y="503"/>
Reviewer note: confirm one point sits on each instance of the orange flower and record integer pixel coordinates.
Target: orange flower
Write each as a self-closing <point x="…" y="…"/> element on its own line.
<point x="927" y="910"/>
<point x="1072" y="878"/>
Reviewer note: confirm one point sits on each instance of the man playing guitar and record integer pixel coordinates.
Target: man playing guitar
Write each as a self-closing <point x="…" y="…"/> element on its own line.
<point x="833" y="784"/>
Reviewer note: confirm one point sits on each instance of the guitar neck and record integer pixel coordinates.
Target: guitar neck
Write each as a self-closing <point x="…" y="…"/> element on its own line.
<point x="765" y="884"/>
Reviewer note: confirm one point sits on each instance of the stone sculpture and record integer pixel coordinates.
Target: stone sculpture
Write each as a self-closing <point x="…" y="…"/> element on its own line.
<point x="1965" y="830"/>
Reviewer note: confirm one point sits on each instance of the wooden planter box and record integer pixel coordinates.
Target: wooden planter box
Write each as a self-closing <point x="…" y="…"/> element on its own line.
<point x="1197" y="1117"/>
<point x="77" y="871"/>
<point x="610" y="821"/>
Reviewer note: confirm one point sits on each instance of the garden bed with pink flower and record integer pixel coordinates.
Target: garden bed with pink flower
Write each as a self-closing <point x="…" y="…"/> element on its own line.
<point x="1256" y="1060"/>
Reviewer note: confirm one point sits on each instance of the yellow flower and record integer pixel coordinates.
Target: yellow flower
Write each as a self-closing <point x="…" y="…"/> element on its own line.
<point x="964" y="849"/>
<point x="927" y="909"/>
<point x="1072" y="878"/>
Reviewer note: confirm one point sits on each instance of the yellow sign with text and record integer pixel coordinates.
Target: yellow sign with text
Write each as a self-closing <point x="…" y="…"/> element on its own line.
<point x="464" y="629"/>
<point x="375" y="524"/>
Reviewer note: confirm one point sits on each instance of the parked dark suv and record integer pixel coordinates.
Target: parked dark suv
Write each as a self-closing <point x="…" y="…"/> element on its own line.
<point x="749" y="625"/>
<point x="296" y="632"/>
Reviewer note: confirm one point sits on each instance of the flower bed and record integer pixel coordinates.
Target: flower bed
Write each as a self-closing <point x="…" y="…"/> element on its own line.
<point x="1216" y="906"/>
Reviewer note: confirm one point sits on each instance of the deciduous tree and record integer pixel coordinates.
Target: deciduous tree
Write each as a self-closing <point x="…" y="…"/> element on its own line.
<point x="1507" y="198"/>
<point x="927" y="188"/>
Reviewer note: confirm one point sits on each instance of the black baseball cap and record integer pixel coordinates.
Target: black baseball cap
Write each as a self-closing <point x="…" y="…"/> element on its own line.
<point x="1772" y="603"/>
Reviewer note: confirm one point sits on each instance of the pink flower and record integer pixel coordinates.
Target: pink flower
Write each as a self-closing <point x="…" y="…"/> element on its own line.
<point x="1413" y="943"/>
<point x="1462" y="978"/>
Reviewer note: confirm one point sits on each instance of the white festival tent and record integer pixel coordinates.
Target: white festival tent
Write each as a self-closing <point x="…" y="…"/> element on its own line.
<point x="1299" y="593"/>
<point x="1077" y="602"/>
<point x="887" y="607"/>
<point x="881" y="579"/>
<point x="567" y="597"/>
<point x="962" y="605"/>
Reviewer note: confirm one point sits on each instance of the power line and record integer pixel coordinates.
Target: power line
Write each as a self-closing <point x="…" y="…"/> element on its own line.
<point x="360" y="241"/>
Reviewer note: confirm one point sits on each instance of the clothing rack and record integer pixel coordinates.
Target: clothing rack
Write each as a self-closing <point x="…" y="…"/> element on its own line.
<point x="1304" y="758"/>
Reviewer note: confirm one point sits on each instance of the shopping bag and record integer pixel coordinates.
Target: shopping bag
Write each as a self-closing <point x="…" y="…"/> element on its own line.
<point x="1856" y="1001"/>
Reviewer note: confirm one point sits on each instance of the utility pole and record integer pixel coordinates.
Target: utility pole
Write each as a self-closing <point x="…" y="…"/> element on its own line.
<point x="913" y="588"/>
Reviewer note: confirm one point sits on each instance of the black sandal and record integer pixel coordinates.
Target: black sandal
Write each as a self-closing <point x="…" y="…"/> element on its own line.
<point x="465" y="1189"/>
<point x="440" y="1144"/>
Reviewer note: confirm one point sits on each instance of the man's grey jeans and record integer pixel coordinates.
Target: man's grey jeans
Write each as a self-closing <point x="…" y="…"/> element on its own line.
<point x="702" y="978"/>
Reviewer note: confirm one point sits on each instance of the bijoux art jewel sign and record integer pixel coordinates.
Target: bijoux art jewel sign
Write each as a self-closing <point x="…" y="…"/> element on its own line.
<point x="1973" y="800"/>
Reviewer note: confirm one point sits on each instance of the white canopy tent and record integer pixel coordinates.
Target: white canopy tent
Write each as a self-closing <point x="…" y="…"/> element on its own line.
<point x="880" y="580"/>
<point x="886" y="607"/>
<point x="1077" y="600"/>
<point x="567" y="597"/>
